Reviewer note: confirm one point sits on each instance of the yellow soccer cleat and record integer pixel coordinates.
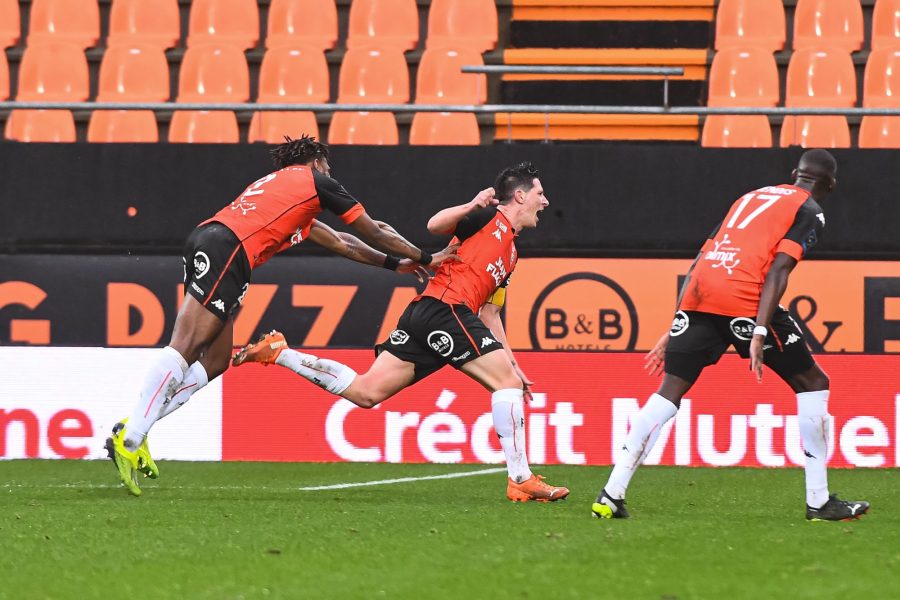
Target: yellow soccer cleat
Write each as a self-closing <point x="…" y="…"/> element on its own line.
<point x="146" y="464"/>
<point x="126" y="461"/>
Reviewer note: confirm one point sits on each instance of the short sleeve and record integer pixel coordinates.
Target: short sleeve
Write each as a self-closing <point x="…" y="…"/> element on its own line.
<point x="804" y="233"/>
<point x="473" y="222"/>
<point x="334" y="198"/>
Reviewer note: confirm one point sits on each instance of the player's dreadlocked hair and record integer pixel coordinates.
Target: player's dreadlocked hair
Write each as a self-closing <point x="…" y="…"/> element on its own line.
<point x="512" y="178"/>
<point x="298" y="152"/>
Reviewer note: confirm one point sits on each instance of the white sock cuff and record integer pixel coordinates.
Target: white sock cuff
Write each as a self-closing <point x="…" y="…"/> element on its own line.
<point x="513" y="395"/>
<point x="812" y="404"/>
<point x="341" y="381"/>
<point x="171" y="353"/>
<point x="658" y="409"/>
<point x="200" y="374"/>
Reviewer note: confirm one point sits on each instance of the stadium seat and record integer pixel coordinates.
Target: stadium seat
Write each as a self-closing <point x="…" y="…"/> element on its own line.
<point x="374" y="75"/>
<point x="828" y="24"/>
<point x="821" y="77"/>
<point x="234" y="22"/>
<point x="53" y="72"/>
<point x="155" y="22"/>
<point x="271" y="127"/>
<point x="123" y="126"/>
<point x="73" y="21"/>
<point x="290" y="74"/>
<point x="439" y="80"/>
<point x="134" y="73"/>
<point x="444" y="129"/>
<point x="886" y="24"/>
<point x="4" y="77"/>
<point x="736" y="131"/>
<point x="204" y="127"/>
<point x="815" y="132"/>
<point x="214" y="74"/>
<point x="9" y="23"/>
<point x="366" y="128"/>
<point x="383" y="23"/>
<point x="879" y="132"/>
<point x="743" y="77"/>
<point x="40" y="126"/>
<point x="881" y="86"/>
<point x="462" y="24"/>
<point x="744" y="23"/>
<point x="306" y="22"/>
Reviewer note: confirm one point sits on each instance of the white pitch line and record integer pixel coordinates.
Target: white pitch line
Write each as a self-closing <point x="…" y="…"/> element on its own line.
<point x="341" y="486"/>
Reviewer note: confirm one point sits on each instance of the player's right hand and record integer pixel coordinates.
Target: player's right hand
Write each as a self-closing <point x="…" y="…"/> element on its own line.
<point x="656" y="358"/>
<point x="448" y="253"/>
<point x="484" y="199"/>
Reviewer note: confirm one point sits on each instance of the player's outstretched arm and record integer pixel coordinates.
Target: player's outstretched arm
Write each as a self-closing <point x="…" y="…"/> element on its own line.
<point x="349" y="246"/>
<point x="772" y="291"/>
<point x="382" y="235"/>
<point x="445" y="221"/>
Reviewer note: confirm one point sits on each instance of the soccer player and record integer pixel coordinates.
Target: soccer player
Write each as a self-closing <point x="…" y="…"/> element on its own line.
<point x="274" y="213"/>
<point x="442" y="325"/>
<point x="730" y="298"/>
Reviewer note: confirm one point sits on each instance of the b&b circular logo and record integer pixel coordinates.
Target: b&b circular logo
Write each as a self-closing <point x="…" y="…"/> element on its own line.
<point x="440" y="342"/>
<point x="583" y="311"/>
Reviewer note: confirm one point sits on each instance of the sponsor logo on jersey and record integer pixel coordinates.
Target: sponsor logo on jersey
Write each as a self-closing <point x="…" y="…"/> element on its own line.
<point x="399" y="337"/>
<point x="201" y="264"/>
<point x="462" y="356"/>
<point x="197" y="288"/>
<point x="679" y="324"/>
<point x="440" y="342"/>
<point x="497" y="270"/>
<point x="501" y="226"/>
<point x="486" y="341"/>
<point x="724" y="255"/>
<point x="742" y="328"/>
<point x="219" y="304"/>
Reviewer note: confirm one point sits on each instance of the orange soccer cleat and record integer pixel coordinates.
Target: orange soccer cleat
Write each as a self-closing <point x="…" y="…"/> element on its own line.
<point x="264" y="350"/>
<point x="535" y="489"/>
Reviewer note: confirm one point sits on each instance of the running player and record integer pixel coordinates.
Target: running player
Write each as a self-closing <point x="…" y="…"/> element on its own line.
<point x="442" y="325"/>
<point x="730" y="298"/>
<point x="274" y="213"/>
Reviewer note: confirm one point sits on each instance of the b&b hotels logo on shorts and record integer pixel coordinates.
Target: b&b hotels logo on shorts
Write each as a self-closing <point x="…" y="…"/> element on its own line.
<point x="583" y="311"/>
<point x="441" y="342"/>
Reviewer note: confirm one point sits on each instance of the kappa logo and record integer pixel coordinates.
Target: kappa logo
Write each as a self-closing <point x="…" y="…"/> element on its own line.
<point x="792" y="339"/>
<point x="679" y="324"/>
<point x="821" y="217"/>
<point x="399" y="337"/>
<point x="201" y="264"/>
<point x="486" y="341"/>
<point x="496" y="234"/>
<point x="440" y="342"/>
<point x="242" y="205"/>
<point x="219" y="304"/>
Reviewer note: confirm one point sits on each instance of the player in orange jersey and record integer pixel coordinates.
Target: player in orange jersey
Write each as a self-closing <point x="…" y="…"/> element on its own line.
<point x="730" y="298"/>
<point x="455" y="321"/>
<point x="274" y="213"/>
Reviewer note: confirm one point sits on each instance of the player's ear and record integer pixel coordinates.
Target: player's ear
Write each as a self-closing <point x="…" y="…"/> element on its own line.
<point x="794" y="174"/>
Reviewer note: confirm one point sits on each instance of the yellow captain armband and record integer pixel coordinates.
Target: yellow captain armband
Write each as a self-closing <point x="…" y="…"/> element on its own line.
<point x="498" y="298"/>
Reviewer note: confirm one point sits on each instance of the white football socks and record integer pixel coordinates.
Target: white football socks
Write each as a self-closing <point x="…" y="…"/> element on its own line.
<point x="507" y="408"/>
<point x="195" y="380"/>
<point x="329" y="375"/>
<point x="644" y="432"/>
<point x="815" y="431"/>
<point x="161" y="381"/>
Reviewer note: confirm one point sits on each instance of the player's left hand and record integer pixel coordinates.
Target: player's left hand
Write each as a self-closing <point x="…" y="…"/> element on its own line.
<point x="407" y="265"/>
<point x="655" y="360"/>
<point x="756" y="355"/>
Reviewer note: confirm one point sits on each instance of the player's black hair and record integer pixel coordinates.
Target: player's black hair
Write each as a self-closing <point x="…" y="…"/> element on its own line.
<point x="298" y="152"/>
<point x="512" y="178"/>
<point x="818" y="164"/>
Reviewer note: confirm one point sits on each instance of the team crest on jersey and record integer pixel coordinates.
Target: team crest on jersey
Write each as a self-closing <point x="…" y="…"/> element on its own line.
<point x="399" y="337"/>
<point x="679" y="324"/>
<point x="742" y="328"/>
<point x="297" y="237"/>
<point x="724" y="254"/>
<point x="441" y="342"/>
<point x="201" y="264"/>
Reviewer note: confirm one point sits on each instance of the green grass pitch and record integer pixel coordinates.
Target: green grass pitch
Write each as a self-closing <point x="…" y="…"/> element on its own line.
<point x="244" y="530"/>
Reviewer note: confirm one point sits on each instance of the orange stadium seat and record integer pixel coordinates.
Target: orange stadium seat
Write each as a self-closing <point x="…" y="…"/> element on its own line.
<point x="886" y="24"/>
<point x="214" y="74"/>
<point x="53" y="72"/>
<point x="829" y="24"/>
<point x="123" y="126"/>
<point x="154" y="22"/>
<point x="743" y="23"/>
<point x="879" y="132"/>
<point x="881" y="86"/>
<point x="234" y="22"/>
<point x="378" y="75"/>
<point x="73" y="21"/>
<point x="736" y="131"/>
<point x="307" y="22"/>
<point x="815" y="132"/>
<point x="820" y="77"/>
<point x="383" y="23"/>
<point x="444" y="129"/>
<point x="743" y="77"/>
<point x="439" y="80"/>
<point x="271" y="127"/>
<point x="364" y="128"/>
<point x="134" y="73"/>
<point x="9" y="23"/>
<point x="204" y="127"/>
<point x="462" y="24"/>
<point x="4" y="77"/>
<point x="40" y="126"/>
